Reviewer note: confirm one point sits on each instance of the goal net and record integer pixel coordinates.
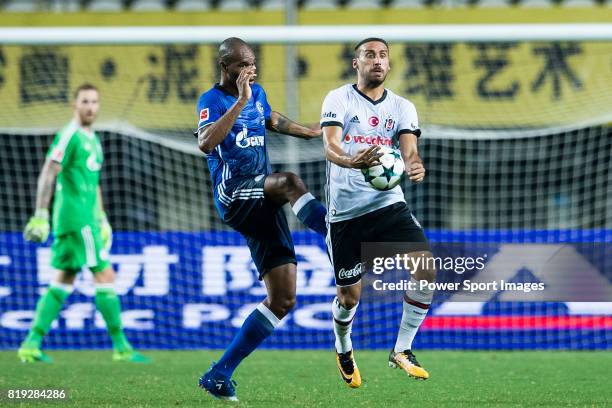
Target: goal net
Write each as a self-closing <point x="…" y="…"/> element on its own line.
<point x="516" y="142"/>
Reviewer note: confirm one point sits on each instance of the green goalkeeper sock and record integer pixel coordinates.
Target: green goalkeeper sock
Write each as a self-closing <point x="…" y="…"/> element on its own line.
<point x="109" y="306"/>
<point x="47" y="309"/>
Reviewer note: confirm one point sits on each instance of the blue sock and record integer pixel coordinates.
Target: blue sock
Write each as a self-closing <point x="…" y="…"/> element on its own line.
<point x="255" y="329"/>
<point x="311" y="212"/>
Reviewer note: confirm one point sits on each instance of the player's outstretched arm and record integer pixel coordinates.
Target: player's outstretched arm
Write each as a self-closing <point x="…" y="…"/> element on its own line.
<point x="211" y="136"/>
<point x="412" y="161"/>
<point x="37" y="228"/>
<point x="282" y="124"/>
<point x="333" y="151"/>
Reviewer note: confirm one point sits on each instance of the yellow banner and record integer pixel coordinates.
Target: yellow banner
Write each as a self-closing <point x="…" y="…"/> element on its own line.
<point x="154" y="87"/>
<point x="488" y="85"/>
<point x="481" y="85"/>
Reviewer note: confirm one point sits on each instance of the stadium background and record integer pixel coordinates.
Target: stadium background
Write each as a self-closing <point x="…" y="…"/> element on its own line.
<point x="516" y="140"/>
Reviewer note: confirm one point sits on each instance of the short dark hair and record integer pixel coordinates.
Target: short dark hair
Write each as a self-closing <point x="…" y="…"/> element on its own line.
<point x="227" y="48"/>
<point x="370" y="39"/>
<point x="87" y="86"/>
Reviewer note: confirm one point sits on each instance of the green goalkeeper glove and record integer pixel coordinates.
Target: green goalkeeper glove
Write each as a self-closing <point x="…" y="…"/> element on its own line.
<point x="37" y="228"/>
<point x="106" y="232"/>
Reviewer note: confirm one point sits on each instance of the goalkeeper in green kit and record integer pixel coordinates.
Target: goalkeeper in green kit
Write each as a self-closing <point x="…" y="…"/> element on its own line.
<point x="82" y="233"/>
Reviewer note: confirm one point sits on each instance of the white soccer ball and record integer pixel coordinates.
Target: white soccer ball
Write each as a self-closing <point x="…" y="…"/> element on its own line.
<point x="388" y="173"/>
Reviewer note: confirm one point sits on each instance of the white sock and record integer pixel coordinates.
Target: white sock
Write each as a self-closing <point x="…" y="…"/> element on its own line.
<point x="301" y="202"/>
<point x="415" y="306"/>
<point x="343" y="322"/>
<point x="64" y="286"/>
<point x="268" y="314"/>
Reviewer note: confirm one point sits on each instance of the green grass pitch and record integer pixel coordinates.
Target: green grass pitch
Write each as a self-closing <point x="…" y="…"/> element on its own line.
<point x="310" y="379"/>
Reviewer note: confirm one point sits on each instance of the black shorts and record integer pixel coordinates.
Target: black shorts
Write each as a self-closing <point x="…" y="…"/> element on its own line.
<point x="263" y="224"/>
<point x="394" y="223"/>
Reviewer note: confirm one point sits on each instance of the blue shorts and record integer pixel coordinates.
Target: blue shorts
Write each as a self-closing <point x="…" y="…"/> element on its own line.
<point x="263" y="224"/>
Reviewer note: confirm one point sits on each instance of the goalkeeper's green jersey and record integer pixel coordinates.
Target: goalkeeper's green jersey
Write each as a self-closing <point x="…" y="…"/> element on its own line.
<point x="79" y="152"/>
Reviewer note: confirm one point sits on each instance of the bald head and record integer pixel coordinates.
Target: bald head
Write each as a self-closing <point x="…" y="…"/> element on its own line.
<point x="232" y="48"/>
<point x="235" y="55"/>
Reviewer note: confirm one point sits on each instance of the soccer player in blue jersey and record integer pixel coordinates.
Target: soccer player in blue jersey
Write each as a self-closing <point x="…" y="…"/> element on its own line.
<point x="233" y="118"/>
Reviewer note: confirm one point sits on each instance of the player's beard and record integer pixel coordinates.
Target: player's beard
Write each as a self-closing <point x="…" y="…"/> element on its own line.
<point x="374" y="82"/>
<point x="87" y="120"/>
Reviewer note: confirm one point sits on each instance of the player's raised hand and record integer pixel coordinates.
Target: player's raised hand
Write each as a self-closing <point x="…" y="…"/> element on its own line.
<point x="366" y="158"/>
<point x="37" y="228"/>
<point x="243" y="83"/>
<point x="416" y="172"/>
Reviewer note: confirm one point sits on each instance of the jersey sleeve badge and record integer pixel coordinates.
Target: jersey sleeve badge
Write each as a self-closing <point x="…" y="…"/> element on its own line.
<point x="204" y="114"/>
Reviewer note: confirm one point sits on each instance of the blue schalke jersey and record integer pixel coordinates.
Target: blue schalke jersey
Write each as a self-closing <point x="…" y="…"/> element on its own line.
<point x="242" y="154"/>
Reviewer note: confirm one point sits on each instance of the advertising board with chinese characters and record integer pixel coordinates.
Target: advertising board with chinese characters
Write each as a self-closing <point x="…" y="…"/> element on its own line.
<point x="525" y="289"/>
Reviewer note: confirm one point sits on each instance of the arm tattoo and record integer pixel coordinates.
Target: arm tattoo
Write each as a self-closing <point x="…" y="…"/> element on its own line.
<point x="283" y="123"/>
<point x="288" y="127"/>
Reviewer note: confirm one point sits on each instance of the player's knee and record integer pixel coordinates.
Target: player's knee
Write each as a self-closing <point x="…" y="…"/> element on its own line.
<point x="293" y="183"/>
<point x="428" y="274"/>
<point x="289" y="304"/>
<point x="66" y="277"/>
<point x="348" y="302"/>
<point x="281" y="306"/>
<point x="105" y="276"/>
<point x="426" y="270"/>
<point x="348" y="297"/>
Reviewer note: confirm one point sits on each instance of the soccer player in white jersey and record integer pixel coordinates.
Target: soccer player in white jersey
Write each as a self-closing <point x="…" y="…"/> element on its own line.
<point x="356" y="120"/>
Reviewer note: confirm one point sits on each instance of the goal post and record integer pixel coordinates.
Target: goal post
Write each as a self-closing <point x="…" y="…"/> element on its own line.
<point x="310" y="34"/>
